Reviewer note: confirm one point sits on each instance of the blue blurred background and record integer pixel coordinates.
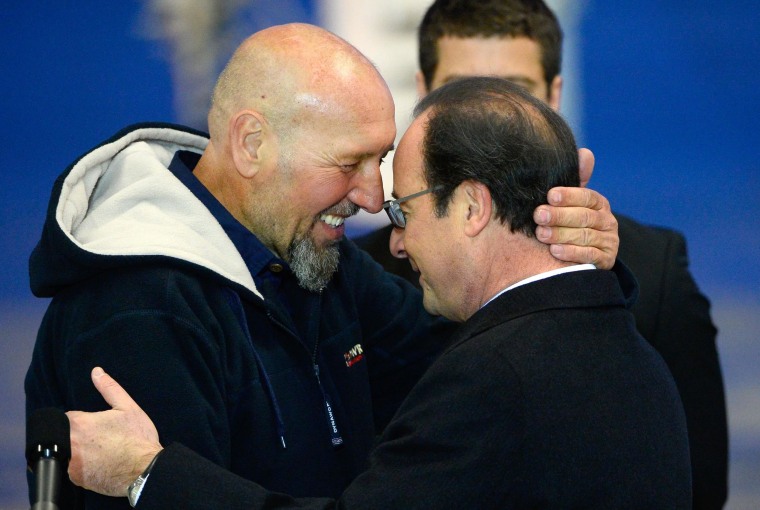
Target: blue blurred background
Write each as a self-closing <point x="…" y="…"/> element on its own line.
<point x="670" y="107"/>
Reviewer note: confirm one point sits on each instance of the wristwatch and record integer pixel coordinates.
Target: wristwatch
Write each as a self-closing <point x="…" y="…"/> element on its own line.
<point x="136" y="487"/>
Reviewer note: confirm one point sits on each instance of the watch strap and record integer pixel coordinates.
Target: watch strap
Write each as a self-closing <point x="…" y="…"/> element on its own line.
<point x="136" y="487"/>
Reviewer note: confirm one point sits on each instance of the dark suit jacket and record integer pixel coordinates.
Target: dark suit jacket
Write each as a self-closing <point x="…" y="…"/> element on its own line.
<point x="674" y="317"/>
<point x="546" y="398"/>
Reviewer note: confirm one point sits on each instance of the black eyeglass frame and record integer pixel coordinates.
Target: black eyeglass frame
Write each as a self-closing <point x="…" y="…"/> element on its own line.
<point x="395" y="214"/>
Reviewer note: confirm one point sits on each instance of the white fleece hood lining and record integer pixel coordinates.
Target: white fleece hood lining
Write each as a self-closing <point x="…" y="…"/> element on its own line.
<point x="121" y="199"/>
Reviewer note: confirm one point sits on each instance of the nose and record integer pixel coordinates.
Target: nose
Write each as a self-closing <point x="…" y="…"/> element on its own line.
<point x="396" y="243"/>
<point x="367" y="189"/>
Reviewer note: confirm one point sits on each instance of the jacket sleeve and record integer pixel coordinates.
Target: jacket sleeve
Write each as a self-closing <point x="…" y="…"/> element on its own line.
<point x="183" y="479"/>
<point x="685" y="337"/>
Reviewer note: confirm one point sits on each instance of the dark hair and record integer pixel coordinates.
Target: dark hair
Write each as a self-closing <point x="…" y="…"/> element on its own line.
<point x="489" y="18"/>
<point x="494" y="132"/>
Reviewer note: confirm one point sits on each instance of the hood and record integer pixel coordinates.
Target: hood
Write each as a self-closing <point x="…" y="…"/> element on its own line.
<point x="119" y="204"/>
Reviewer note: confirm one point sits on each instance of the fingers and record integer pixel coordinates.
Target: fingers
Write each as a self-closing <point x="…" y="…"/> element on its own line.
<point x="585" y="165"/>
<point x="582" y="255"/>
<point x="581" y="245"/>
<point x="605" y="240"/>
<point x="575" y="218"/>
<point x="132" y="414"/>
<point x="577" y="197"/>
<point x="111" y="391"/>
<point x="576" y="208"/>
<point x="579" y="226"/>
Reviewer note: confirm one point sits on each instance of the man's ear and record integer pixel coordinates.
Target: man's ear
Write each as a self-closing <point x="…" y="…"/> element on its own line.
<point x="247" y="134"/>
<point x="555" y="93"/>
<point x="476" y="206"/>
<point x="422" y="89"/>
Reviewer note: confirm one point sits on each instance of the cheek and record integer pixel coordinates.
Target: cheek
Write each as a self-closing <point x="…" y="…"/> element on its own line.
<point x="323" y="190"/>
<point x="424" y="249"/>
<point x="411" y="239"/>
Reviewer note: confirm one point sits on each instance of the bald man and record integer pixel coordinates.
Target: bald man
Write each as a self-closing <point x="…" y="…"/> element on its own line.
<point x="203" y="272"/>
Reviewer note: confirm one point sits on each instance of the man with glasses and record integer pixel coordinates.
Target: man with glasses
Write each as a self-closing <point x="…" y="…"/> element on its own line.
<point x="546" y="397"/>
<point x="521" y="40"/>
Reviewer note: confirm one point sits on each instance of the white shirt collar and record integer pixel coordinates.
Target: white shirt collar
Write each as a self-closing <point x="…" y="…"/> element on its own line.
<point x="542" y="276"/>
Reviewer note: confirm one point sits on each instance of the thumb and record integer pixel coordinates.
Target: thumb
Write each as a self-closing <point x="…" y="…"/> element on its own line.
<point x="112" y="392"/>
<point x="585" y="166"/>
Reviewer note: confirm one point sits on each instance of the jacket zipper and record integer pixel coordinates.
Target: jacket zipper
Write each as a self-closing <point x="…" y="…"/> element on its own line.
<point x="336" y="439"/>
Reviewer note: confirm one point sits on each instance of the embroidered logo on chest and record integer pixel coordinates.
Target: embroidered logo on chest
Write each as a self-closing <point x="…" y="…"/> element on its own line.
<point x="354" y="355"/>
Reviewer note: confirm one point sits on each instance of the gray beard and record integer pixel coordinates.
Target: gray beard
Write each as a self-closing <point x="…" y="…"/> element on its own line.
<point x="312" y="266"/>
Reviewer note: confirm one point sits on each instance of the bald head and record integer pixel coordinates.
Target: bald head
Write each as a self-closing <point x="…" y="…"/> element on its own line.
<point x="290" y="71"/>
<point x="300" y="121"/>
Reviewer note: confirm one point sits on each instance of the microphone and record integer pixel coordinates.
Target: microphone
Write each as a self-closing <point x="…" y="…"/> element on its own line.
<point x="48" y="449"/>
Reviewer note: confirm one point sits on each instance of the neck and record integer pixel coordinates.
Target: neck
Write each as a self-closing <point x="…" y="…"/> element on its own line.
<point x="221" y="183"/>
<point x="513" y="261"/>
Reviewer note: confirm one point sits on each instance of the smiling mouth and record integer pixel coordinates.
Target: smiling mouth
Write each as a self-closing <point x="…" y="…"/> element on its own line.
<point x="333" y="221"/>
<point x="335" y="216"/>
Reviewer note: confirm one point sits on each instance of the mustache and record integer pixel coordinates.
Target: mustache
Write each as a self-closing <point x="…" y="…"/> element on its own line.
<point x="345" y="208"/>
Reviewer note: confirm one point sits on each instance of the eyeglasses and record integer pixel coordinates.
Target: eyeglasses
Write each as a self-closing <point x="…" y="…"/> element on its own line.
<point x="394" y="211"/>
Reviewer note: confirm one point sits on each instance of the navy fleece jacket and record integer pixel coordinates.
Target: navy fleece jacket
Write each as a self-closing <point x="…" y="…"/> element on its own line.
<point x="146" y="284"/>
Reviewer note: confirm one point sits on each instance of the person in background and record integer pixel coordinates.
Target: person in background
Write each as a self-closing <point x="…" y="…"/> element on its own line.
<point x="521" y="40"/>
<point x="211" y="276"/>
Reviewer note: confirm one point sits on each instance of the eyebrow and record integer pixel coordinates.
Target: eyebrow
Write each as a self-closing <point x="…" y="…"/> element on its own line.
<point x="389" y="149"/>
